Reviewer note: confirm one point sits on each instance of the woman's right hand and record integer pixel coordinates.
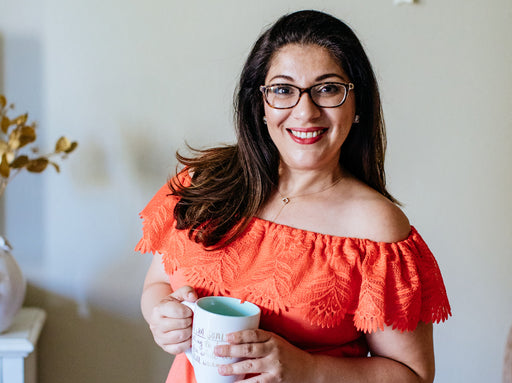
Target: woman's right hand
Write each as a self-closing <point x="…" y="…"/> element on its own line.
<point x="171" y="321"/>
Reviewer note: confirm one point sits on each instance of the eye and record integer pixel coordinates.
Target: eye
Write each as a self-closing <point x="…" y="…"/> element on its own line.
<point x="329" y="89"/>
<point x="282" y="90"/>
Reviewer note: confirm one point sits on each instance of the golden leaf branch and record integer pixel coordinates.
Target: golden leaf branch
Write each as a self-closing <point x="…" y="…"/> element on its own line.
<point x="17" y="134"/>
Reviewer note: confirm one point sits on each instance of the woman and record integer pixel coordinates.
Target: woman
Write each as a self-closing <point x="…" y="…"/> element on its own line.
<point x="296" y="218"/>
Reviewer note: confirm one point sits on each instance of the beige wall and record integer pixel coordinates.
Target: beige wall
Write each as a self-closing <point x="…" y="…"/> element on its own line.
<point x="122" y="77"/>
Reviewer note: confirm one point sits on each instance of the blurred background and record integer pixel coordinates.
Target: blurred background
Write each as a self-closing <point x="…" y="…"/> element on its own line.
<point x="132" y="81"/>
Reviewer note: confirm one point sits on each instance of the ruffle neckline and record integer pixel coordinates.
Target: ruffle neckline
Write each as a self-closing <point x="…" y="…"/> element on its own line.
<point x="327" y="277"/>
<point x="327" y="237"/>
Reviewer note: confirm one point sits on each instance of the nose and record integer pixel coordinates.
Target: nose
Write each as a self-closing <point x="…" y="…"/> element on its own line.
<point x="305" y="109"/>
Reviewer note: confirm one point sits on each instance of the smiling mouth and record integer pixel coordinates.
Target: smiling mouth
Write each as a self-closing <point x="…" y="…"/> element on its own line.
<point x="310" y="134"/>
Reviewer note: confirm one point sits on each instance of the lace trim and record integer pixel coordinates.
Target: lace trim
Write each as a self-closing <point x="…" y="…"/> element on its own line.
<point x="278" y="267"/>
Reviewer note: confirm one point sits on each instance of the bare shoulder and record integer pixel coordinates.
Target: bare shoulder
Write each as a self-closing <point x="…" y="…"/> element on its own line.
<point x="373" y="216"/>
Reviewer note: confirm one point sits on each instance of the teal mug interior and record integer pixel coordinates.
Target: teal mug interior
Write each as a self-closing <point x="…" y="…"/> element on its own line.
<point x="228" y="306"/>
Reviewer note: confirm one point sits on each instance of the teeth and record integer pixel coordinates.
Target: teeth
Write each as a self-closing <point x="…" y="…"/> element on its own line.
<point x="306" y="134"/>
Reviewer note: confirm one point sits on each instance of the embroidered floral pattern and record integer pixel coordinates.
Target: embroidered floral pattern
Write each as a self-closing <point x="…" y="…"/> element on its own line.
<point x="327" y="277"/>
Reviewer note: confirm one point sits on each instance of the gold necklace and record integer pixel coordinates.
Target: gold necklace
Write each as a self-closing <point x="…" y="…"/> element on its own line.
<point x="287" y="200"/>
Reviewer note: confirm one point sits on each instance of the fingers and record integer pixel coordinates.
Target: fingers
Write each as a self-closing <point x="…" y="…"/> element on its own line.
<point x="171" y="321"/>
<point x="185" y="293"/>
<point x="249" y="336"/>
<point x="248" y="350"/>
<point x="249" y="366"/>
<point x="250" y="344"/>
<point x="261" y="351"/>
<point x="246" y="344"/>
<point x="171" y="337"/>
<point x="176" y="348"/>
<point x="164" y="325"/>
<point x="171" y="306"/>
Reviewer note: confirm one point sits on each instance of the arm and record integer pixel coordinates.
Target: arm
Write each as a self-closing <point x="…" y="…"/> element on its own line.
<point x="169" y="321"/>
<point x="396" y="357"/>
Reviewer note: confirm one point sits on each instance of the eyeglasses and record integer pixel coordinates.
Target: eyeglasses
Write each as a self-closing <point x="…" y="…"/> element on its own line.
<point x="324" y="95"/>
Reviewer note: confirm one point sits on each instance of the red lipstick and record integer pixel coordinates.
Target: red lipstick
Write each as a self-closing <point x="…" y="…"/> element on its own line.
<point x="307" y="136"/>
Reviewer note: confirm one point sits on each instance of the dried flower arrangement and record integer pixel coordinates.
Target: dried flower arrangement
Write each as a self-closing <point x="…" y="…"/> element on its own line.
<point x="17" y="134"/>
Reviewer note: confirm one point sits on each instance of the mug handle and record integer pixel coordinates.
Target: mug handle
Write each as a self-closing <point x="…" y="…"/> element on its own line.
<point x="188" y="352"/>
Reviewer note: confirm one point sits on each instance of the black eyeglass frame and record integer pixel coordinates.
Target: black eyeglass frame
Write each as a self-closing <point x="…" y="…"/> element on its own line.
<point x="347" y="85"/>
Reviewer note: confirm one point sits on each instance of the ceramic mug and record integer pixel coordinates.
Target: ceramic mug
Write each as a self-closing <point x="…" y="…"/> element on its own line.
<point x="214" y="318"/>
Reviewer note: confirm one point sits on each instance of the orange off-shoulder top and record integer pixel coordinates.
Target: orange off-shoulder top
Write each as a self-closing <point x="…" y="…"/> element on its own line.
<point x="320" y="292"/>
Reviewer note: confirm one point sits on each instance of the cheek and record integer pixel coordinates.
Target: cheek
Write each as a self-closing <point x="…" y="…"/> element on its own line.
<point x="269" y="113"/>
<point x="343" y="116"/>
<point x="275" y="117"/>
<point x="350" y="106"/>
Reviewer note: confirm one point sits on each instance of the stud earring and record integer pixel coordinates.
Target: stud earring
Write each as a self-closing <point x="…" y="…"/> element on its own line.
<point x="356" y="119"/>
<point x="265" y="120"/>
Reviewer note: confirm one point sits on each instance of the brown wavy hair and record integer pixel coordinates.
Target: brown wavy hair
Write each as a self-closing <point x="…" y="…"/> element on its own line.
<point x="229" y="184"/>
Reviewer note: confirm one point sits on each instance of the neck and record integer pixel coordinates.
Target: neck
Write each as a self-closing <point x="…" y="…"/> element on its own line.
<point x="295" y="182"/>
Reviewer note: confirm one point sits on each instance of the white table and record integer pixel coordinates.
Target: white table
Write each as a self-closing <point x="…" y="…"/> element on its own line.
<point x="18" y="347"/>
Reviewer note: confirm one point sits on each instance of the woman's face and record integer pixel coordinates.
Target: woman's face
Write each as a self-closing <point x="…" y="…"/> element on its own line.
<point x="308" y="137"/>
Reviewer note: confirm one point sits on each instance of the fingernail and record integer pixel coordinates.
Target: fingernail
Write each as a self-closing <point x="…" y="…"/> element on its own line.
<point x="222" y="369"/>
<point x="219" y="350"/>
<point x="191" y="295"/>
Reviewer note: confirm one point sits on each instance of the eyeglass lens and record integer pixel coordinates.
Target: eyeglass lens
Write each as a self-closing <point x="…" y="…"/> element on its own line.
<point x="323" y="95"/>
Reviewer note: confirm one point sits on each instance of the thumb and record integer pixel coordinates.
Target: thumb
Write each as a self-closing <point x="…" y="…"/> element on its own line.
<point x="185" y="293"/>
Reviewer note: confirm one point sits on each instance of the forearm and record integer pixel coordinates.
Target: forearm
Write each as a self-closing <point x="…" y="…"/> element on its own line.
<point x="404" y="358"/>
<point x="398" y="357"/>
<point x="152" y="295"/>
<point x="326" y="369"/>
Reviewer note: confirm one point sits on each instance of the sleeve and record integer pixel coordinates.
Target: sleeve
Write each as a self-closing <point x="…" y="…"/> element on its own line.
<point x="158" y="220"/>
<point x="401" y="284"/>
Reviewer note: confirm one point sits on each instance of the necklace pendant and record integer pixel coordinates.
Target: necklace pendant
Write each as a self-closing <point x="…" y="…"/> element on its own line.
<point x="285" y="200"/>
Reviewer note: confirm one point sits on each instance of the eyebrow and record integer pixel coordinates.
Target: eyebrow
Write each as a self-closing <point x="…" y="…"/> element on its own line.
<point x="319" y="78"/>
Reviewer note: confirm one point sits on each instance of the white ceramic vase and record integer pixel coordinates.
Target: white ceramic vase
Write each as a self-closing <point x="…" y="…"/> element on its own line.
<point x="12" y="286"/>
